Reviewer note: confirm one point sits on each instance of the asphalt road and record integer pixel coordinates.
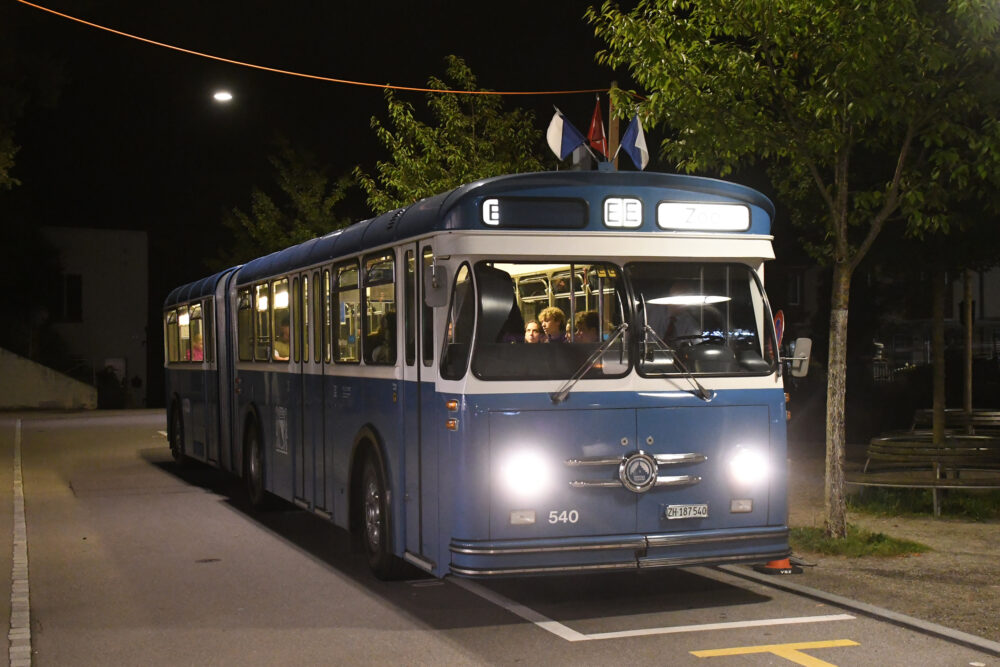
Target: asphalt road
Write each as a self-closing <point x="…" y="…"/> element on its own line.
<point x="136" y="561"/>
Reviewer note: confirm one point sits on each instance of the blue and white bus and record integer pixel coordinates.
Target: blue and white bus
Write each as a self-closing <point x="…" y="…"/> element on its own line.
<point x="379" y="377"/>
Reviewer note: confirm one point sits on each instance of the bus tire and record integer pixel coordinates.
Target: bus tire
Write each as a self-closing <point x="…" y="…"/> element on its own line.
<point x="176" y="434"/>
<point x="253" y="467"/>
<point x="375" y="521"/>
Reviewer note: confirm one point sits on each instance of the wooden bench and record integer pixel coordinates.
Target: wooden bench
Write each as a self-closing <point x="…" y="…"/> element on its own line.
<point x="955" y="419"/>
<point x="913" y="460"/>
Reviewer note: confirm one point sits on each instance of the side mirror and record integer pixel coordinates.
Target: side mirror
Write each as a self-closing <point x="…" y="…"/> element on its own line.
<point x="798" y="363"/>
<point x="435" y="286"/>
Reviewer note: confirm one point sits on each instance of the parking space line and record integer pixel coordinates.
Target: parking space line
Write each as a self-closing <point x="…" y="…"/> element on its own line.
<point x="571" y="635"/>
<point x="19" y="635"/>
<point x="790" y="652"/>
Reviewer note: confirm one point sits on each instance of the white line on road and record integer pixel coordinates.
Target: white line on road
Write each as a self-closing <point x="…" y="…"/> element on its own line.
<point x="571" y="635"/>
<point x="19" y="637"/>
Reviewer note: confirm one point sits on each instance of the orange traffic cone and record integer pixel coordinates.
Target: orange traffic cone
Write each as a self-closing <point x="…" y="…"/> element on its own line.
<point x="781" y="566"/>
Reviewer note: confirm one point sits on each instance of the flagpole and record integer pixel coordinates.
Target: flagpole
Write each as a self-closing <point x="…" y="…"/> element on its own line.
<point x="613" y="146"/>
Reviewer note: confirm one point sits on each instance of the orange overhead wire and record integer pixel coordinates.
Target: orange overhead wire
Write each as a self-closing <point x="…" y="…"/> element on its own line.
<point x="300" y="74"/>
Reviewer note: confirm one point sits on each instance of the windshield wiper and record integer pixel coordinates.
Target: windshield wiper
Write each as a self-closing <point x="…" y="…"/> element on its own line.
<point x="699" y="391"/>
<point x="563" y="393"/>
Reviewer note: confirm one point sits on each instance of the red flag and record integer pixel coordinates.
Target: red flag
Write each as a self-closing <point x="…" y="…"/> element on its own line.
<point x="598" y="140"/>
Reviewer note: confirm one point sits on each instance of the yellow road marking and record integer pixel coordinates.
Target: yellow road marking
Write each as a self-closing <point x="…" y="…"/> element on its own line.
<point x="792" y="652"/>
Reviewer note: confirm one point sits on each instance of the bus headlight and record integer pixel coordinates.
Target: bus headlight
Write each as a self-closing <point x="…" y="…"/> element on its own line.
<point x="525" y="474"/>
<point x="748" y="466"/>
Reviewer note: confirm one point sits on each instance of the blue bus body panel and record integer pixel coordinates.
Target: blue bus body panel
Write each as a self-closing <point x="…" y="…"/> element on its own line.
<point x="567" y="519"/>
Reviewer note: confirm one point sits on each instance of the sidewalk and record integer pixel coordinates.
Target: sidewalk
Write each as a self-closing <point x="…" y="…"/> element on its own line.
<point x="956" y="585"/>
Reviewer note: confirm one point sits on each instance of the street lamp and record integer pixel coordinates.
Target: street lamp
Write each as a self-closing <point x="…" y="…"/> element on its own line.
<point x="222" y="96"/>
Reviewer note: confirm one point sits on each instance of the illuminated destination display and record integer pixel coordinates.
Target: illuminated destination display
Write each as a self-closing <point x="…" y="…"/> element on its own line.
<point x="703" y="217"/>
<point x="622" y="212"/>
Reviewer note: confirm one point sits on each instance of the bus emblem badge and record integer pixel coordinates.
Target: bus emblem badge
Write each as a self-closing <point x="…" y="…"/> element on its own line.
<point x="637" y="472"/>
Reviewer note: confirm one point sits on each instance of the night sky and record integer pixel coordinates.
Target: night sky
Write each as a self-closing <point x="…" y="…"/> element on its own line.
<point x="136" y="141"/>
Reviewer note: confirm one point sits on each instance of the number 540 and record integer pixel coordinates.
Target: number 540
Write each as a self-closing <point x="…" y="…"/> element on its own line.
<point x="564" y="516"/>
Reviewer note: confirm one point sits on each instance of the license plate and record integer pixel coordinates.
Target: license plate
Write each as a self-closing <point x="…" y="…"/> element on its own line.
<point x="687" y="511"/>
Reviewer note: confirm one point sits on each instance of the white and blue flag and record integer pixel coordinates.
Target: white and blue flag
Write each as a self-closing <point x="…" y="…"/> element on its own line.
<point x="562" y="136"/>
<point x="634" y="143"/>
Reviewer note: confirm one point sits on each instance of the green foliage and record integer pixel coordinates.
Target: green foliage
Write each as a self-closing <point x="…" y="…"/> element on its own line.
<point x="858" y="543"/>
<point x="973" y="505"/>
<point x="304" y="210"/>
<point x="471" y="137"/>
<point x="861" y="111"/>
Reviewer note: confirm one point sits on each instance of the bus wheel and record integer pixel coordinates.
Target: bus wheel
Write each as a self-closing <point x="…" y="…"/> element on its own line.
<point x="177" y="434"/>
<point x="253" y="467"/>
<point x="375" y="527"/>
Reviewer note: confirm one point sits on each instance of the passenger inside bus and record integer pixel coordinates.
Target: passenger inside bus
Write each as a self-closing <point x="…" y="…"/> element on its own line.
<point x="553" y="322"/>
<point x="197" y="348"/>
<point x="384" y="350"/>
<point x="533" y="332"/>
<point x="281" y="342"/>
<point x="586" y="327"/>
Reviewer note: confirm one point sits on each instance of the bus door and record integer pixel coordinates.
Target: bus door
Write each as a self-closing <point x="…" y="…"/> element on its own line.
<point x="419" y="415"/>
<point x="211" y="376"/>
<point x="309" y="389"/>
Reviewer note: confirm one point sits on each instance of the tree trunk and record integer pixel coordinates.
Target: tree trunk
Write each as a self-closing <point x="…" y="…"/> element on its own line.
<point x="836" y="390"/>
<point x="937" y="352"/>
<point x="969" y="314"/>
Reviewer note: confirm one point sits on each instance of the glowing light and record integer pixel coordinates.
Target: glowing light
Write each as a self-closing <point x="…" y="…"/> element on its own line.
<point x="525" y="474"/>
<point x="748" y="466"/>
<point x="223" y="96"/>
<point x="688" y="300"/>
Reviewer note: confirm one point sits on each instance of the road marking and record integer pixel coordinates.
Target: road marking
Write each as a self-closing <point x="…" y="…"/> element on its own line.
<point x="572" y="635"/>
<point x="19" y="636"/>
<point x="792" y="652"/>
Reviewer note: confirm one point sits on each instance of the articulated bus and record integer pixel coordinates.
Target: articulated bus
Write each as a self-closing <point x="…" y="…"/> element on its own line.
<point x="379" y="377"/>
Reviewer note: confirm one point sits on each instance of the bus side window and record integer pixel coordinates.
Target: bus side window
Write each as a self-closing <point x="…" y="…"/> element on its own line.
<point x="409" y="314"/>
<point x="427" y="314"/>
<point x="244" y="325"/>
<point x="184" y="323"/>
<point x="197" y="335"/>
<point x="282" y="321"/>
<point x="347" y="314"/>
<point x="319" y="298"/>
<point x="172" y="337"/>
<point x="262" y="322"/>
<point x="461" y="322"/>
<point x="380" y="309"/>
<point x="327" y="319"/>
<point x="209" y="321"/>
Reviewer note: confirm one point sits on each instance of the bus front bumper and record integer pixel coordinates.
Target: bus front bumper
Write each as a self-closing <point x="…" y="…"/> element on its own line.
<point x="509" y="558"/>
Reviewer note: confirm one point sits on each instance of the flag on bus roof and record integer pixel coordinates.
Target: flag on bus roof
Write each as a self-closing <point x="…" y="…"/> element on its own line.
<point x="562" y="137"/>
<point x="598" y="140"/>
<point x="634" y="143"/>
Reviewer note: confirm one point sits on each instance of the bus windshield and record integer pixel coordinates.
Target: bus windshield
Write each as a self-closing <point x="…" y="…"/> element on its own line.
<point x="702" y="318"/>
<point x="539" y="321"/>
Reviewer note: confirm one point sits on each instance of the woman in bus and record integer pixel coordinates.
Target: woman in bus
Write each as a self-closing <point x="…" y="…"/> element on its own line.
<point x="553" y="322"/>
<point x="533" y="332"/>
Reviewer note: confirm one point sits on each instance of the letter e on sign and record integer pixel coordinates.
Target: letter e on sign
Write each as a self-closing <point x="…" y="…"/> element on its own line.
<point x="491" y="212"/>
<point x="622" y="212"/>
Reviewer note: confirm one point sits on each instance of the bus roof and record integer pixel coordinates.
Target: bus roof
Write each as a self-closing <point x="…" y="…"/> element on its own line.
<point x="566" y="200"/>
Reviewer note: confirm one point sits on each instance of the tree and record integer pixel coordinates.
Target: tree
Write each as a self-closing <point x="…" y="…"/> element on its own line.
<point x="304" y="211"/>
<point x="856" y="109"/>
<point x="471" y="138"/>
